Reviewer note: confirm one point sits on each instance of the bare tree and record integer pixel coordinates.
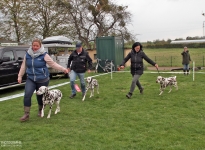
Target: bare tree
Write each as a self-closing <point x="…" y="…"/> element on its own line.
<point x="77" y="19"/>
<point x="46" y="19"/>
<point x="12" y="26"/>
<point x="25" y="20"/>
<point x="96" y="18"/>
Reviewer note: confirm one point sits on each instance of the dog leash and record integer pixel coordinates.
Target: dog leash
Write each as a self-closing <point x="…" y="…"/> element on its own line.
<point x="62" y="76"/>
<point x="158" y="71"/>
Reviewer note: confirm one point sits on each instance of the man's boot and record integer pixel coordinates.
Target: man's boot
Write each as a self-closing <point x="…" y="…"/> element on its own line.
<point x="25" y="117"/>
<point x="39" y="110"/>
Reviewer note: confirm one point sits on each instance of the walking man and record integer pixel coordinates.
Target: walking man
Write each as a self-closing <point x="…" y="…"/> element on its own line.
<point x="77" y="66"/>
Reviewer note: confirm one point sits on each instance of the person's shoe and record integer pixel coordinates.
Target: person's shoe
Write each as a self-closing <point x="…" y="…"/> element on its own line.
<point x="25" y="117"/>
<point x="141" y="90"/>
<point x="72" y="95"/>
<point x="129" y="95"/>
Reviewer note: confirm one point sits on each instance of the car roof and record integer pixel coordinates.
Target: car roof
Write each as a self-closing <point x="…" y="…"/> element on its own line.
<point x="15" y="47"/>
<point x="56" y="39"/>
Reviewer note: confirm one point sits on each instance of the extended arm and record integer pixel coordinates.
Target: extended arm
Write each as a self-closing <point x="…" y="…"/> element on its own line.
<point x="149" y="60"/>
<point x="22" y="70"/>
<point x="53" y="64"/>
<point x="125" y="60"/>
<point x="89" y="60"/>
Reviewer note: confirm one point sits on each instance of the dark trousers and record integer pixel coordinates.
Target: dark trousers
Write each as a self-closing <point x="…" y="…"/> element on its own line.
<point x="135" y="81"/>
<point x="30" y="87"/>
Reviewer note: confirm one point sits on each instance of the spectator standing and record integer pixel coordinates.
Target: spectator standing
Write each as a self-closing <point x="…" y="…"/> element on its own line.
<point x="186" y="60"/>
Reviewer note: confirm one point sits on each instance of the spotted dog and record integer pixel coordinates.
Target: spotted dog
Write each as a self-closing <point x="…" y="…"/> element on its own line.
<point x="92" y="83"/>
<point x="164" y="82"/>
<point x="49" y="97"/>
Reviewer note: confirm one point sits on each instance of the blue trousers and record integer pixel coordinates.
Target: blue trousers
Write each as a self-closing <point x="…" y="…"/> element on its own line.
<point x="186" y="67"/>
<point x="30" y="87"/>
<point x="73" y="76"/>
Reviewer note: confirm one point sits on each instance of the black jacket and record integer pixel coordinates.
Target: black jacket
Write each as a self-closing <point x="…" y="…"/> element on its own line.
<point x="78" y="63"/>
<point x="136" y="59"/>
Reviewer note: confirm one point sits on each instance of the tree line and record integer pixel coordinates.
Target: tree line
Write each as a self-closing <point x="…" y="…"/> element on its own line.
<point x="79" y="20"/>
<point x="167" y="44"/>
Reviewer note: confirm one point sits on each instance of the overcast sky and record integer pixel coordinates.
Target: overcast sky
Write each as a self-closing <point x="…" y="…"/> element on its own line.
<point x="165" y="19"/>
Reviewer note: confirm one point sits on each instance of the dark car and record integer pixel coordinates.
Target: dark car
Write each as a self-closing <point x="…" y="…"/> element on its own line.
<point x="11" y="59"/>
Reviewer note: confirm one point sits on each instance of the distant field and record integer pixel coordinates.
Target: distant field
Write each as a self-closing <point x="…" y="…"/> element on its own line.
<point x="173" y="58"/>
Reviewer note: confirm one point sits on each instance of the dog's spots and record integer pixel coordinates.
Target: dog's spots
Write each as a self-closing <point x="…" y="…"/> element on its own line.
<point x="49" y="97"/>
<point x="92" y="83"/>
<point x="164" y="82"/>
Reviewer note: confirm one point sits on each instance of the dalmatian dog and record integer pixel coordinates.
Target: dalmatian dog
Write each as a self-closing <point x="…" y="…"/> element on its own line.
<point x="50" y="97"/>
<point x="164" y="82"/>
<point x="92" y="83"/>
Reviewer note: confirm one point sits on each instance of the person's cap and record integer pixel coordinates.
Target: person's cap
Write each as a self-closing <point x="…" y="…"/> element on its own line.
<point x="78" y="45"/>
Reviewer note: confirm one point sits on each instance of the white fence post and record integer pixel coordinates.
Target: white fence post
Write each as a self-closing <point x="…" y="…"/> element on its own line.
<point x="111" y="68"/>
<point x="193" y="69"/>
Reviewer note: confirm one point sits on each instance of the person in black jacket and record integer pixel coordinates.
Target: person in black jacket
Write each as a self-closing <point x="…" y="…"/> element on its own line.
<point x="77" y="66"/>
<point x="186" y="60"/>
<point x="136" y="57"/>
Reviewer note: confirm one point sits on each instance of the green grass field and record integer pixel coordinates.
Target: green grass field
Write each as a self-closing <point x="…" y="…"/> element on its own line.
<point x="110" y="121"/>
<point x="173" y="57"/>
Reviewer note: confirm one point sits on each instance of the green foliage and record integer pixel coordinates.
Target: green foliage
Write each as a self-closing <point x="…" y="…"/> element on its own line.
<point x="111" y="121"/>
<point x="167" y="45"/>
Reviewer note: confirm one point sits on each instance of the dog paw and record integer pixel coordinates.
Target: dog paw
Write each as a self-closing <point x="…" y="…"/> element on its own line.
<point x="57" y="111"/>
<point x="48" y="117"/>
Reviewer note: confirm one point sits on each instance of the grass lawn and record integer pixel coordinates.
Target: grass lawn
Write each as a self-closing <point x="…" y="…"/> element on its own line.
<point x="110" y="121"/>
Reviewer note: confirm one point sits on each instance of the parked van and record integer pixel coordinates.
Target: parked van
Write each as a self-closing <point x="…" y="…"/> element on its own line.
<point x="11" y="58"/>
